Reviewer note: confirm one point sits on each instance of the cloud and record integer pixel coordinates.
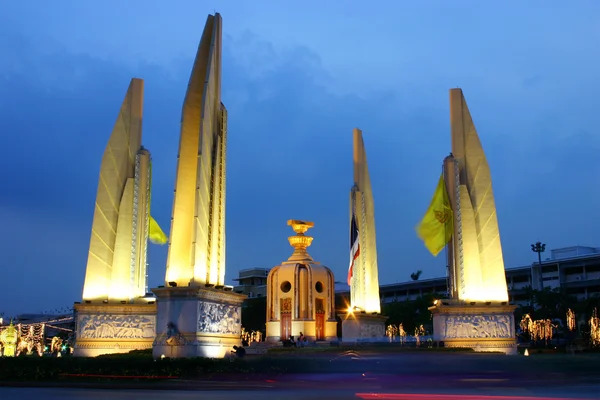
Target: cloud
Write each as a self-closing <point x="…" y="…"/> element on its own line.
<point x="43" y="257"/>
<point x="57" y="124"/>
<point x="289" y="153"/>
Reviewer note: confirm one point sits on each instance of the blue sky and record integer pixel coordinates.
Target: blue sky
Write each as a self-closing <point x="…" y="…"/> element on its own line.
<point x="296" y="79"/>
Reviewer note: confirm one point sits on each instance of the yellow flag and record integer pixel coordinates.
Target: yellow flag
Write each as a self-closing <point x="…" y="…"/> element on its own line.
<point x="437" y="226"/>
<point x="155" y="234"/>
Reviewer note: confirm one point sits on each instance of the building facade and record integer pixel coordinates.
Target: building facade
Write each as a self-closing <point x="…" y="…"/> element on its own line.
<point x="252" y="282"/>
<point x="574" y="269"/>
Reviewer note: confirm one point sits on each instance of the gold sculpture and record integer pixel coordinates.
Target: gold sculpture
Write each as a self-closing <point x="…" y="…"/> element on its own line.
<point x="300" y="242"/>
<point x="9" y="338"/>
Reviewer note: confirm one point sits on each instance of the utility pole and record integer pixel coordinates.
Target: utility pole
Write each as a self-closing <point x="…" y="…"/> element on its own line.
<point x="539" y="248"/>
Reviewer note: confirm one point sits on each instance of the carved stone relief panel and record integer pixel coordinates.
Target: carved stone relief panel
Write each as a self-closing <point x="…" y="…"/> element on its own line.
<point x="220" y="318"/>
<point x="286" y="305"/>
<point x="368" y="330"/>
<point x="478" y="326"/>
<point x="116" y="326"/>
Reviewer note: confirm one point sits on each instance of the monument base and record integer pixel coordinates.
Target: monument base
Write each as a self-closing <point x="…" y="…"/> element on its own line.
<point x="483" y="327"/>
<point x="308" y="327"/>
<point x="113" y="328"/>
<point x="197" y="322"/>
<point x="359" y="327"/>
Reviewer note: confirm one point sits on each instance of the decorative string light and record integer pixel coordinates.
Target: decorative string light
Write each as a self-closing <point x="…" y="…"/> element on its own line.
<point x="401" y="333"/>
<point x="58" y="328"/>
<point x="595" y="328"/>
<point x="30" y="337"/>
<point x="419" y="331"/>
<point x="249" y="337"/>
<point x="570" y="320"/>
<point x="391" y="331"/>
<point x="542" y="329"/>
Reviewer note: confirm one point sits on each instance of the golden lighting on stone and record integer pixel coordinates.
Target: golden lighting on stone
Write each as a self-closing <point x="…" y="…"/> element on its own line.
<point x="477" y="272"/>
<point x="364" y="289"/>
<point x="116" y="267"/>
<point x="477" y="315"/>
<point x="197" y="237"/>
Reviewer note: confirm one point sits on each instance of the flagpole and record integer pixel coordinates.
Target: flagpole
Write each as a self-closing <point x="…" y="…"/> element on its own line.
<point x="448" y="275"/>
<point x="148" y="221"/>
<point x="449" y="171"/>
<point x="449" y="250"/>
<point x="353" y="217"/>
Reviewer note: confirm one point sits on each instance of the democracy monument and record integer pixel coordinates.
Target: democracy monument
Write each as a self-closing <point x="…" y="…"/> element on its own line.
<point x="462" y="215"/>
<point x="197" y="315"/>
<point x="116" y="315"/>
<point x="194" y="314"/>
<point x="362" y="321"/>
<point x="300" y="294"/>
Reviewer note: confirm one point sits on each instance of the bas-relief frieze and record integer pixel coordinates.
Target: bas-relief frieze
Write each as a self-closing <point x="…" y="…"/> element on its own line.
<point x="221" y="297"/>
<point x="371" y="330"/>
<point x="105" y="345"/>
<point x="478" y="326"/>
<point x="219" y="318"/>
<point x="116" y="326"/>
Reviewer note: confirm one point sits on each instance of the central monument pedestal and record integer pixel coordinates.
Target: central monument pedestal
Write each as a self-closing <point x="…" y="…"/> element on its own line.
<point x="483" y="327"/>
<point x="197" y="322"/>
<point x="360" y="327"/>
<point x="113" y="328"/>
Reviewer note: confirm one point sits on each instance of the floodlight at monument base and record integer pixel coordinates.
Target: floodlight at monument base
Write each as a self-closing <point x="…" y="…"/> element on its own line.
<point x="485" y="291"/>
<point x="94" y="292"/>
<point x="118" y="291"/>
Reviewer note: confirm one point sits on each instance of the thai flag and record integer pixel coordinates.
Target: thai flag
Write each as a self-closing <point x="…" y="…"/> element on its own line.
<point x="354" y="246"/>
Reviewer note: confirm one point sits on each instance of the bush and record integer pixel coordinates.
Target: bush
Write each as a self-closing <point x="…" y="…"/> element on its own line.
<point x="136" y="366"/>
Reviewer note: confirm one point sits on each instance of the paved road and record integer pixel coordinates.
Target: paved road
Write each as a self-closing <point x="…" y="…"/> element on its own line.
<point x="370" y="375"/>
<point x="308" y="392"/>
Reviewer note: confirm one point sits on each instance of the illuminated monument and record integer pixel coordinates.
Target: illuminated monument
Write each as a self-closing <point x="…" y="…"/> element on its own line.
<point x="363" y="321"/>
<point x="300" y="294"/>
<point x="116" y="315"/>
<point x="463" y="214"/>
<point x="197" y="315"/>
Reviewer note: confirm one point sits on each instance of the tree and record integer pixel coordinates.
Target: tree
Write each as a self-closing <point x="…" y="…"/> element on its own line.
<point x="553" y="303"/>
<point x="254" y="314"/>
<point x="411" y="313"/>
<point x="416" y="275"/>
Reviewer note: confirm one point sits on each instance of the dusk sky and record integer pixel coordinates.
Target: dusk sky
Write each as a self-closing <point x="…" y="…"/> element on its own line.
<point x="297" y="78"/>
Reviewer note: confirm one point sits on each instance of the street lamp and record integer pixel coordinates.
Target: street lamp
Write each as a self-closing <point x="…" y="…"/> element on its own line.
<point x="539" y="248"/>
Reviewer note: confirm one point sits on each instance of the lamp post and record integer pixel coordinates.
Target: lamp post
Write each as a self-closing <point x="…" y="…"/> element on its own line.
<point x="539" y="248"/>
